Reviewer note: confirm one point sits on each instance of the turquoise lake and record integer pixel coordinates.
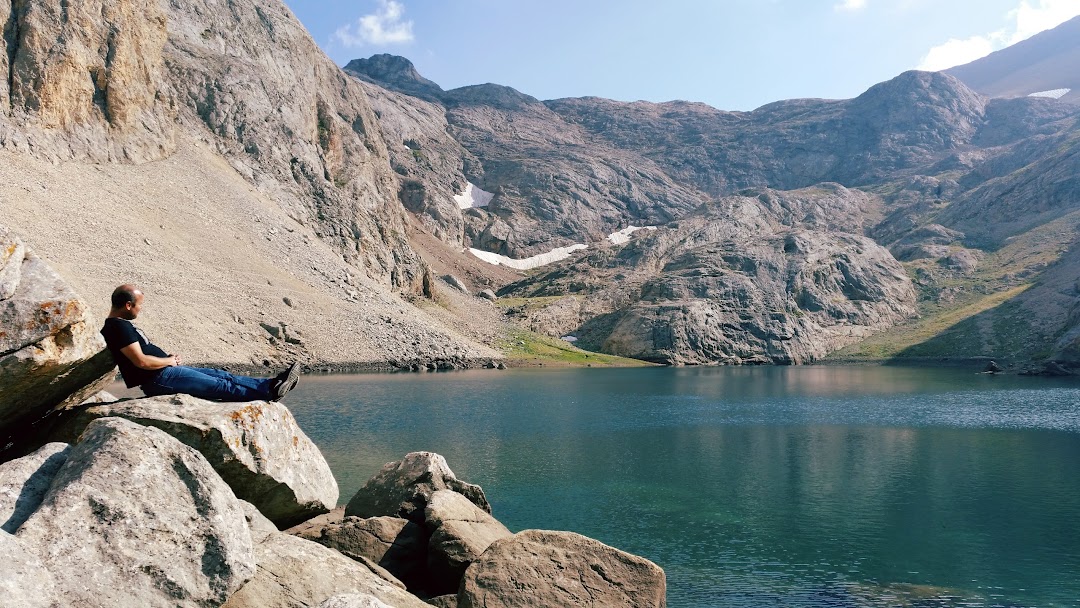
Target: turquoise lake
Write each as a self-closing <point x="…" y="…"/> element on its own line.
<point x="765" y="486"/>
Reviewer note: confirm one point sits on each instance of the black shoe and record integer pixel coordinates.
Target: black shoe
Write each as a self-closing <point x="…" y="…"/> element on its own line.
<point x="285" y="381"/>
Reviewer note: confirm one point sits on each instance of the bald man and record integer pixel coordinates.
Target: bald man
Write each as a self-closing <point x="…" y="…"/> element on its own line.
<point x="156" y="372"/>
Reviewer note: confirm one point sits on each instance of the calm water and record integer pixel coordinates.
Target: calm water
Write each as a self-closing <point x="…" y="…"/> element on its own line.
<point x="801" y="486"/>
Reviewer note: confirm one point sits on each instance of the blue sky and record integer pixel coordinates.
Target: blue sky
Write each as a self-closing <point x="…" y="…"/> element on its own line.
<point x="731" y="54"/>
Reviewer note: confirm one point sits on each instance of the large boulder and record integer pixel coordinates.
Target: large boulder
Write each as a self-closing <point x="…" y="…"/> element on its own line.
<point x="402" y="488"/>
<point x="51" y="354"/>
<point x="24" y="482"/>
<point x="297" y="572"/>
<point x="542" y="568"/>
<point x="25" y="582"/>
<point x="398" y="545"/>
<point x="460" y="533"/>
<point x="256" y="447"/>
<point x="354" y="600"/>
<point x="136" y="518"/>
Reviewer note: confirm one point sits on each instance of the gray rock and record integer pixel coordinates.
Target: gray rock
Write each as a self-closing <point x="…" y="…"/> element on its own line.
<point x="402" y="488"/>
<point x="297" y="572"/>
<point x="51" y="354"/>
<point x="260" y="526"/>
<point x="26" y="582"/>
<point x="541" y="568"/>
<point x="397" y="545"/>
<point x="136" y="518"/>
<point x="354" y="600"/>
<point x="487" y="294"/>
<point x="256" y="447"/>
<point x="24" y="482"/>
<point x="456" y="283"/>
<point x="460" y="533"/>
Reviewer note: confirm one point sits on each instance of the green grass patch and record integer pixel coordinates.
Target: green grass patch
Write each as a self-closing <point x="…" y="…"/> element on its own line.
<point x="933" y="327"/>
<point x="530" y="304"/>
<point x="524" y="348"/>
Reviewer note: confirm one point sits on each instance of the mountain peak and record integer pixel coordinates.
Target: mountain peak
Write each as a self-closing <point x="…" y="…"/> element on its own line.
<point x="396" y="73"/>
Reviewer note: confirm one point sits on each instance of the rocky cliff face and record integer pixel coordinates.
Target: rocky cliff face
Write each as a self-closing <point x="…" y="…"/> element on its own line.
<point x="764" y="277"/>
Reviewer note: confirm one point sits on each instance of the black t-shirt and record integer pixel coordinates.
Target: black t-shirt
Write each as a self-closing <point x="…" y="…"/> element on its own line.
<point x="119" y="333"/>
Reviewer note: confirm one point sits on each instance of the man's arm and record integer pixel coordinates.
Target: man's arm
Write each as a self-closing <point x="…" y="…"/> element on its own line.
<point x="141" y="360"/>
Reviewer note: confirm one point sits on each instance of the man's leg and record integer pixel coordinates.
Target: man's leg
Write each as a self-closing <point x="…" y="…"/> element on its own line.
<point x="195" y="382"/>
<point x="255" y="384"/>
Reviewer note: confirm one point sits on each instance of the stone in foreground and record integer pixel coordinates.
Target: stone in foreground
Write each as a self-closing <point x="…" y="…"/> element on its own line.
<point x="296" y="572"/>
<point x="51" y="354"/>
<point x="402" y="488"/>
<point x="542" y="568"/>
<point x="256" y="447"/>
<point x="25" y="582"/>
<point x="353" y="600"/>
<point x="460" y="533"/>
<point x="24" y="482"/>
<point x="136" y="518"/>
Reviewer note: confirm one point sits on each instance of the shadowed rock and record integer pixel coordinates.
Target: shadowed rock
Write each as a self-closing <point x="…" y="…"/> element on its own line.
<point x="395" y="544"/>
<point x="541" y="568"/>
<point x="256" y="447"/>
<point x="136" y="518"/>
<point x="24" y="482"/>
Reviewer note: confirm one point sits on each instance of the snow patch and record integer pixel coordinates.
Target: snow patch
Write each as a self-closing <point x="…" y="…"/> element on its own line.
<point x="555" y="255"/>
<point x="622" y="237"/>
<point x="536" y="261"/>
<point x="1052" y="93"/>
<point x="473" y="197"/>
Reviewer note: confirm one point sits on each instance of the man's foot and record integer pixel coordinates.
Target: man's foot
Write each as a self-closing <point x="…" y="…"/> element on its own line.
<point x="285" y="381"/>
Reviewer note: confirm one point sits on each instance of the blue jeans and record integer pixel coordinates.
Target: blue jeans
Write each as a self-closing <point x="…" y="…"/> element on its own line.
<point x="206" y="383"/>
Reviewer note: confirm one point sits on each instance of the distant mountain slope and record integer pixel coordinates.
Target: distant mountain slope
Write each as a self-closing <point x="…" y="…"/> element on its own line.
<point x="1047" y="61"/>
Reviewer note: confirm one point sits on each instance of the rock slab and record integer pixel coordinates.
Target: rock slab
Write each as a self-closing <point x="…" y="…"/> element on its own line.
<point x="460" y="533"/>
<point x="51" y="354"/>
<point x="397" y="545"/>
<point x="542" y="568"/>
<point x="136" y="518"/>
<point x="256" y="447"/>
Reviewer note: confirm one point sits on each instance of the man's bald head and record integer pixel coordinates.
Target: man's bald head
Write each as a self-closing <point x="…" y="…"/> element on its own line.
<point x="124" y="295"/>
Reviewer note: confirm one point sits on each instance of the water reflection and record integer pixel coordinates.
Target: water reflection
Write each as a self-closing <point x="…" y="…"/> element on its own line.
<point x="754" y="486"/>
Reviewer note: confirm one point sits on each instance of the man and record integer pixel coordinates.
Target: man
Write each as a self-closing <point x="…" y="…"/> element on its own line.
<point x="156" y="372"/>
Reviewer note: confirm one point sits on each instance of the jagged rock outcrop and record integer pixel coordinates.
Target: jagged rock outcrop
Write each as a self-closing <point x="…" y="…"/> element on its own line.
<point x="256" y="447"/>
<point x="403" y="488"/>
<point x="396" y="74"/>
<point x="542" y="568"/>
<point x="136" y="518"/>
<point x="51" y="354"/>
<point x="766" y="277"/>
<point x="25" y="481"/>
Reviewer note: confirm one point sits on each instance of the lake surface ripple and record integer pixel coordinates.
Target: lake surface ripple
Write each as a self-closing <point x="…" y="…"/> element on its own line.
<point x="771" y="486"/>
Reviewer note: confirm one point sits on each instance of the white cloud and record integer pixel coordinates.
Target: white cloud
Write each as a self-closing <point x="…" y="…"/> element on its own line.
<point x="850" y="5"/>
<point x="383" y="27"/>
<point x="956" y="52"/>
<point x="1045" y="14"/>
<point x="1026" y="20"/>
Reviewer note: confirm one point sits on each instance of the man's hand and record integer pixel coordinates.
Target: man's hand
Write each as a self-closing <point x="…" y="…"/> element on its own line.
<point x="176" y="360"/>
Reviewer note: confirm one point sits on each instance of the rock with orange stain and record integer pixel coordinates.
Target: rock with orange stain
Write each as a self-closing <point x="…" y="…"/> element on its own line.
<point x="51" y="354"/>
<point x="256" y="447"/>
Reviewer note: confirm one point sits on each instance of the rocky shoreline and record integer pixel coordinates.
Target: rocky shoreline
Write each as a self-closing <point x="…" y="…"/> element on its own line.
<point x="177" y="501"/>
